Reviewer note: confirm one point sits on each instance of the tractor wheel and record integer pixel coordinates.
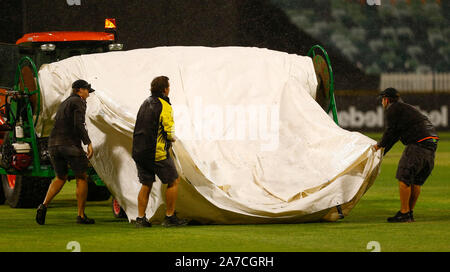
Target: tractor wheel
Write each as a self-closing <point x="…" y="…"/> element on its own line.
<point x="117" y="210"/>
<point x="24" y="191"/>
<point x="97" y="193"/>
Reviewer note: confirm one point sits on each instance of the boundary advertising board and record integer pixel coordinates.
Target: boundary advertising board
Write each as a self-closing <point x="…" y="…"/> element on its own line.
<point x="365" y="113"/>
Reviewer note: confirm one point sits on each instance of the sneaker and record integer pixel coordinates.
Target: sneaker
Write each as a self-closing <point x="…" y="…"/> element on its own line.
<point x="40" y="214"/>
<point x="174" y="221"/>
<point x="400" y="217"/>
<point x="411" y="216"/>
<point x="85" y="220"/>
<point x="142" y="222"/>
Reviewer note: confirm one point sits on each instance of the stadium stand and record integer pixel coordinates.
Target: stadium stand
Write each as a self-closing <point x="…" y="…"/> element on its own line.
<point x="401" y="36"/>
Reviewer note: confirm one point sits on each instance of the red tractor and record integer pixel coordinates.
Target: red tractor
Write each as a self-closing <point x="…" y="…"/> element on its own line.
<point x="25" y="168"/>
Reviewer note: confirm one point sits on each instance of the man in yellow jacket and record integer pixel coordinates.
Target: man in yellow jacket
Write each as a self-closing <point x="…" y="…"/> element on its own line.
<point x="152" y="138"/>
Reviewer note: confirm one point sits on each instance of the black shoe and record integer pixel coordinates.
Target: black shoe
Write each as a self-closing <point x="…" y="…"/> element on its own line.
<point x="411" y="216"/>
<point x="142" y="222"/>
<point x="40" y="214"/>
<point x="85" y="220"/>
<point x="400" y="217"/>
<point x="174" y="221"/>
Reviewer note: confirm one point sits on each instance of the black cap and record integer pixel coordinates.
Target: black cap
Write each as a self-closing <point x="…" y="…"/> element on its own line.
<point x="389" y="92"/>
<point x="82" y="84"/>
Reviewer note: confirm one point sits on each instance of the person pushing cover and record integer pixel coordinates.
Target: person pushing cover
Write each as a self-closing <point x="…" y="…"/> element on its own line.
<point x="407" y="124"/>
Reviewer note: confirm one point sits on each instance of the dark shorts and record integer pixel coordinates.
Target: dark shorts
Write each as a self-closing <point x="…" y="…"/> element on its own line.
<point x="64" y="156"/>
<point x="416" y="164"/>
<point x="165" y="170"/>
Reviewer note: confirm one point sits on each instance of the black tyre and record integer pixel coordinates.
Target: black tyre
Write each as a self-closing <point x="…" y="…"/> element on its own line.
<point x="97" y="193"/>
<point x="24" y="191"/>
<point x="117" y="210"/>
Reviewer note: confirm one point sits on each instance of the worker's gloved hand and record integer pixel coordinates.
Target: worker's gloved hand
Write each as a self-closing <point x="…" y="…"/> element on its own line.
<point x="90" y="151"/>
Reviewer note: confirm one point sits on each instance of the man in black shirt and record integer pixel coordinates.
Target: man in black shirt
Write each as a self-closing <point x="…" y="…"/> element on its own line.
<point x="65" y="149"/>
<point x="153" y="134"/>
<point x="405" y="123"/>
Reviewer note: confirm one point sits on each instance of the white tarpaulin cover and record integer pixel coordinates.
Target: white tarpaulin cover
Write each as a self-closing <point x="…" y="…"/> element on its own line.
<point x="254" y="146"/>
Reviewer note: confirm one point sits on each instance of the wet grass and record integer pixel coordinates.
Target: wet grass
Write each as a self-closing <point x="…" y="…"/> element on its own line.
<point x="365" y="223"/>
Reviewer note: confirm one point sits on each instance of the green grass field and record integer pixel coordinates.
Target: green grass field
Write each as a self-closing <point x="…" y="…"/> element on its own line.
<point x="366" y="222"/>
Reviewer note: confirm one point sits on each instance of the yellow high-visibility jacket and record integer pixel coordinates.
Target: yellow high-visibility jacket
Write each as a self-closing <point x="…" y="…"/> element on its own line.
<point x="154" y="129"/>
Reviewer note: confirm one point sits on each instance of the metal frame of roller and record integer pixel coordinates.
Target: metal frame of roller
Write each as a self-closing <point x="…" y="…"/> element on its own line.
<point x="325" y="78"/>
